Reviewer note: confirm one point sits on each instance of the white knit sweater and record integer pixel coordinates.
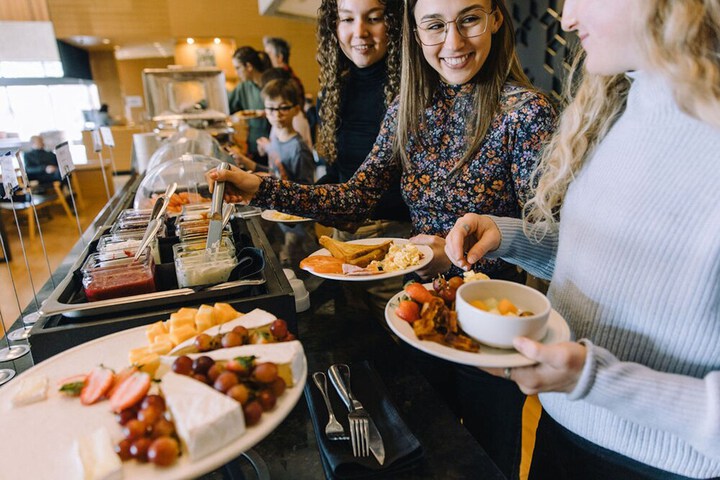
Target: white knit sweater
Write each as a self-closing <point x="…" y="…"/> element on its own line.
<point x="635" y="270"/>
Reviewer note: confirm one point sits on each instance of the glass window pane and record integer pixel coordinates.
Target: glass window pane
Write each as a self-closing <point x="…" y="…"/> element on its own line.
<point x="68" y="102"/>
<point x="22" y="70"/>
<point x="53" y="69"/>
<point x="32" y="109"/>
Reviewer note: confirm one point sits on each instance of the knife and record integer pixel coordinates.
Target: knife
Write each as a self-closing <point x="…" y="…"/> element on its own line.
<point x="340" y="378"/>
<point x="216" y="219"/>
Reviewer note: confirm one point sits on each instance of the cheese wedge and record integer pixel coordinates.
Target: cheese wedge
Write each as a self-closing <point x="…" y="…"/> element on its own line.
<point x="205" y="318"/>
<point x="288" y="356"/>
<point x="155" y="330"/>
<point x="97" y="456"/>
<point x="255" y="320"/>
<point x="31" y="390"/>
<point x="205" y="419"/>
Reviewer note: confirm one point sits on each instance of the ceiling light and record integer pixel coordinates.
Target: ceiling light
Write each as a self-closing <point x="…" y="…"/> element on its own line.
<point x="190" y="41"/>
<point x="106" y="41"/>
<point x="217" y="41"/>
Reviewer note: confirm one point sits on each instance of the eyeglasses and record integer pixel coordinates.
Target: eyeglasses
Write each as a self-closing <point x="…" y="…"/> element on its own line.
<point x="434" y="32"/>
<point x="281" y="108"/>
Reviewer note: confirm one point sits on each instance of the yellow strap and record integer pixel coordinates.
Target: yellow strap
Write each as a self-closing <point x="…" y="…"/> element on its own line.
<point x="530" y="419"/>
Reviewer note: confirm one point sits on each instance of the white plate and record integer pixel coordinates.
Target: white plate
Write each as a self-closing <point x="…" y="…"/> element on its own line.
<point x="424" y="249"/>
<point x="269" y="215"/>
<point x="39" y="437"/>
<point x="558" y="331"/>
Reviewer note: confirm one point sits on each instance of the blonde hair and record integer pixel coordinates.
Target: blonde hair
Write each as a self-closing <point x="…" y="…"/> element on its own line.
<point x="681" y="42"/>
<point x="420" y="81"/>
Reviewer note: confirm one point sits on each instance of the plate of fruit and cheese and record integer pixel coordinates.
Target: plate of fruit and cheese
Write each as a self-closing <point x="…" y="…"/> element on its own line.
<point x="210" y="424"/>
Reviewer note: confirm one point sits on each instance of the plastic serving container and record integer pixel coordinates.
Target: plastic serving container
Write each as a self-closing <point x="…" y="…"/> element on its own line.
<point x="120" y="246"/>
<point x="189" y="173"/>
<point x="103" y="280"/>
<point x="202" y="267"/>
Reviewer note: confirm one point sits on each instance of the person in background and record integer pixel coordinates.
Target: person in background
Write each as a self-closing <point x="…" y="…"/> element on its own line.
<point x="625" y="221"/>
<point x="463" y="136"/>
<point x="278" y="51"/>
<point x="359" y="55"/>
<point x="300" y="121"/>
<point x="41" y="165"/>
<point x="246" y="97"/>
<point x="289" y="158"/>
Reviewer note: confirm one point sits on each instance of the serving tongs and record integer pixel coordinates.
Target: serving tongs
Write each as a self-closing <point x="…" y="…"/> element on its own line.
<point x="161" y="204"/>
<point x="216" y="211"/>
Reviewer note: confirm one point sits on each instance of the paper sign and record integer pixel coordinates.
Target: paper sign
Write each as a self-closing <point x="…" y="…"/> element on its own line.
<point x="107" y="136"/>
<point x="7" y="169"/>
<point x="64" y="158"/>
<point x="97" y="141"/>
<point x="135" y="101"/>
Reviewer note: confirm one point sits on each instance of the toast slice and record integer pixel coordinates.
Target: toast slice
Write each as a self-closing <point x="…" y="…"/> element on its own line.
<point x="355" y="254"/>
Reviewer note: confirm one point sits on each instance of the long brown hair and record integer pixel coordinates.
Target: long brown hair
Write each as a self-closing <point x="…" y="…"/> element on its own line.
<point x="420" y="81"/>
<point x="334" y="66"/>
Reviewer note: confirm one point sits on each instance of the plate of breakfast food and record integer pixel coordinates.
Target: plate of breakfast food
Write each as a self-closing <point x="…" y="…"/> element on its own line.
<point x="423" y="316"/>
<point x="280" y="217"/>
<point x="367" y="259"/>
<point x="171" y="400"/>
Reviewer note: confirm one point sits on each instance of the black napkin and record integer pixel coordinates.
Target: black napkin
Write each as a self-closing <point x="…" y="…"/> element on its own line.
<point x="402" y="449"/>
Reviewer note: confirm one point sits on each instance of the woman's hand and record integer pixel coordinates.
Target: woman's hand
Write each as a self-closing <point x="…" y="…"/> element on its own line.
<point x="440" y="262"/>
<point x="240" y="186"/>
<point x="247" y="163"/>
<point x="558" y="369"/>
<point x="474" y="234"/>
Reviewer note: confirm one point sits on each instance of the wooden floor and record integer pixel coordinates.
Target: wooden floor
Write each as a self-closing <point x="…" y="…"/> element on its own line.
<point x="59" y="233"/>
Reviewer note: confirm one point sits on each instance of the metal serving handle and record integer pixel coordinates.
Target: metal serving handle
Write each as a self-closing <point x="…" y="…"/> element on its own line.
<point x="218" y="193"/>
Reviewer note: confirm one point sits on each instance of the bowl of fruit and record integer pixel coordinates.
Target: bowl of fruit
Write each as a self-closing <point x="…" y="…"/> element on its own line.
<point x="494" y="312"/>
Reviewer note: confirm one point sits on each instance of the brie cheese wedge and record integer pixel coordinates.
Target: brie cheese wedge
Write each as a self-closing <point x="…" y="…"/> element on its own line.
<point x="97" y="456"/>
<point x="205" y="419"/>
<point x="288" y="356"/>
<point x="31" y="390"/>
<point x="254" y="320"/>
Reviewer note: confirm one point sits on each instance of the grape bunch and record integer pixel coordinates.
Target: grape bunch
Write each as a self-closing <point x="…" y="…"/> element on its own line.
<point x="148" y="433"/>
<point x="240" y="335"/>
<point x="256" y="386"/>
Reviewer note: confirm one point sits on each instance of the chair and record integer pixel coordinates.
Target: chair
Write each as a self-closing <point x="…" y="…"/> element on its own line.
<point x="55" y="197"/>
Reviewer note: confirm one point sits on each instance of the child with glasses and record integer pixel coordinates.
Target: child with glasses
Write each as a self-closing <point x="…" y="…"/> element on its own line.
<point x="625" y="221"/>
<point x="463" y="136"/>
<point x="289" y="158"/>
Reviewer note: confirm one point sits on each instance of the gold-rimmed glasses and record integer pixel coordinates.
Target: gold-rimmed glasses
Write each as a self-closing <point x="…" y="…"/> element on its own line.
<point x="470" y="24"/>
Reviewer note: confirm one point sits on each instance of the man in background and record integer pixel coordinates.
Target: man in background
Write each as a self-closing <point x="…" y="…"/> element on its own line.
<point x="40" y="164"/>
<point x="278" y="50"/>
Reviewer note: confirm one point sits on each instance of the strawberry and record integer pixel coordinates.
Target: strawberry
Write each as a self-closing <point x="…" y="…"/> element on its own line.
<point x="120" y="377"/>
<point x="130" y="392"/>
<point x="97" y="384"/>
<point x="418" y="293"/>
<point x="72" y="386"/>
<point x="408" y="310"/>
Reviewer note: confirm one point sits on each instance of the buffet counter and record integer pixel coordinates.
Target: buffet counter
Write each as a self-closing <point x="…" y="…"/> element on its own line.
<point x="334" y="330"/>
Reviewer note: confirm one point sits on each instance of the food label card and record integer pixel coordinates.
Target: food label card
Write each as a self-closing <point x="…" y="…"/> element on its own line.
<point x="8" y="174"/>
<point x="97" y="141"/>
<point x="107" y="136"/>
<point x="64" y="158"/>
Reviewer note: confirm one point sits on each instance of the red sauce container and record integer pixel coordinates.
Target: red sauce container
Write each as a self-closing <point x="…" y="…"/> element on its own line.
<point x="103" y="280"/>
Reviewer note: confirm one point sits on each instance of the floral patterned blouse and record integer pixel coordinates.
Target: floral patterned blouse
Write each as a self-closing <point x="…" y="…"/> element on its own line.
<point x="494" y="181"/>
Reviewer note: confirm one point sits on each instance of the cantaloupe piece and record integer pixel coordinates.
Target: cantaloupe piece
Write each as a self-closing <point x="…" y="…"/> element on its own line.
<point x="161" y="347"/>
<point x="224" y="312"/>
<point x="506" y="307"/>
<point x="137" y="353"/>
<point x="149" y="363"/>
<point x="205" y="318"/>
<point x="155" y="329"/>
<point x="182" y="333"/>
<point x="177" y="320"/>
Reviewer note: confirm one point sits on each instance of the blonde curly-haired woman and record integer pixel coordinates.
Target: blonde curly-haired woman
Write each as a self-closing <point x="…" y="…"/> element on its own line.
<point x="626" y="224"/>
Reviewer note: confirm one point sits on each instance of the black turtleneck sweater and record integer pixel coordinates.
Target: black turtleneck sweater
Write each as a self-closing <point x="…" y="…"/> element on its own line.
<point x="362" y="108"/>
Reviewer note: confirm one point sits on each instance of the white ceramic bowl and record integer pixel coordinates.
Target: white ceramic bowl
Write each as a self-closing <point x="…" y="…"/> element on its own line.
<point x="500" y="330"/>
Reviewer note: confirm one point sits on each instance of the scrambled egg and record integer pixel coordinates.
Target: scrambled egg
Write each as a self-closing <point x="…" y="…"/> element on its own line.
<point x="398" y="258"/>
<point x="472" y="276"/>
<point x="286" y="216"/>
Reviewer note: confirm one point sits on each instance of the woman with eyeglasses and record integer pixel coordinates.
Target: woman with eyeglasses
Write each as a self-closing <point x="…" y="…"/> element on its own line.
<point x="463" y="136"/>
<point x="625" y="222"/>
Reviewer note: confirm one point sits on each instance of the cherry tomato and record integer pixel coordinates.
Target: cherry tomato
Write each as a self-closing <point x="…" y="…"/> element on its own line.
<point x="448" y="294"/>
<point x="408" y="310"/>
<point x="418" y="293"/>
<point x="455" y="282"/>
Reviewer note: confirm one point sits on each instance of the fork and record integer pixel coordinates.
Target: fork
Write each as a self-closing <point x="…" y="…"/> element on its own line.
<point x="333" y="429"/>
<point x="357" y="416"/>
